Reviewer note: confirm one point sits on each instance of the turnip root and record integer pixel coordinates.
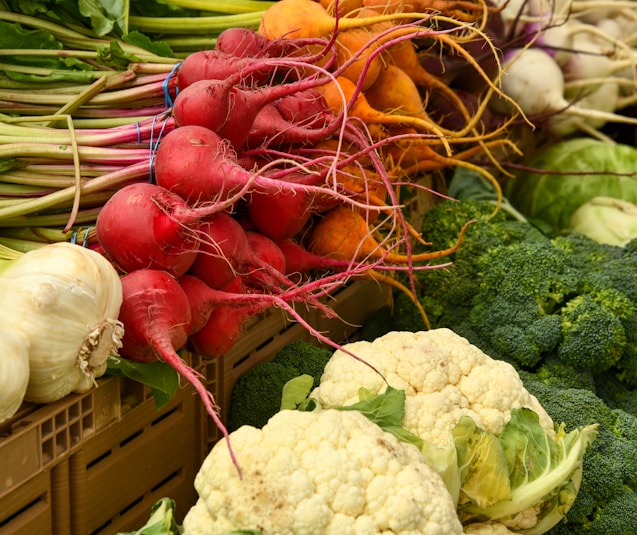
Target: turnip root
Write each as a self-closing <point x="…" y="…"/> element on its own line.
<point x="542" y="97"/>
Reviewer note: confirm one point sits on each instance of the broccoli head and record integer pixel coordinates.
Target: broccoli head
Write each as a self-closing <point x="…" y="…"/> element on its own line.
<point x="521" y="288"/>
<point x="256" y="395"/>
<point x="447" y="293"/>
<point x="524" y="297"/>
<point x="593" y="336"/>
<point x="606" y="499"/>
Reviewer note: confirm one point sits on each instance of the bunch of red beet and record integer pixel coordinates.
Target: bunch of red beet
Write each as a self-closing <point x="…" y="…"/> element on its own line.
<point x="211" y="239"/>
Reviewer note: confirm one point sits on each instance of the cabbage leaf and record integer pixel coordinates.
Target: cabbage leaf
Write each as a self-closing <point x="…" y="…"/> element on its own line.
<point x="569" y="173"/>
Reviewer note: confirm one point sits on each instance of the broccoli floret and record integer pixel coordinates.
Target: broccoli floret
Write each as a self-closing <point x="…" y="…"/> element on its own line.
<point x="524" y="297"/>
<point x="305" y="358"/>
<point x="609" y="474"/>
<point x="521" y="288"/>
<point x="447" y="293"/>
<point x="615" y="392"/>
<point x="256" y="395"/>
<point x="553" y="371"/>
<point x="593" y="336"/>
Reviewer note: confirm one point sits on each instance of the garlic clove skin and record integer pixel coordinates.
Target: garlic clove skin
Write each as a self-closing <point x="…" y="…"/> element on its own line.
<point x="65" y="299"/>
<point x="14" y="371"/>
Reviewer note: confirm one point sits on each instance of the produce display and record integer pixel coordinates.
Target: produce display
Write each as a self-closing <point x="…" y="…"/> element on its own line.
<point x="175" y="171"/>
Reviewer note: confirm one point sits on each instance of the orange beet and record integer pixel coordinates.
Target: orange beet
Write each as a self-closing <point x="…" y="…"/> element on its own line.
<point x="362" y="109"/>
<point x="307" y="18"/>
<point x="344" y="234"/>
<point x="347" y="44"/>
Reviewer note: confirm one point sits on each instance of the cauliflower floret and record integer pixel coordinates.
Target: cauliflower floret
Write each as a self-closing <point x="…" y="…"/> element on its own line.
<point x="444" y="378"/>
<point x="325" y="472"/>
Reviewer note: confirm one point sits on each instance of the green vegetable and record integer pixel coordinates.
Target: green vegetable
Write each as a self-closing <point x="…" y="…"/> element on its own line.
<point x="606" y="220"/>
<point x="523" y="467"/>
<point x="531" y="300"/>
<point x="570" y="173"/>
<point x="162" y="379"/>
<point x="257" y="395"/>
<point x="161" y="521"/>
<point x="607" y="498"/>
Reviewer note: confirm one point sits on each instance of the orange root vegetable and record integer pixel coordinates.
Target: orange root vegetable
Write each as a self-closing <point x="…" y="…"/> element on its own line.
<point x="363" y="182"/>
<point x="345" y="7"/>
<point x="365" y="69"/>
<point x="333" y="94"/>
<point x="308" y="18"/>
<point x="462" y="10"/>
<point x="396" y="93"/>
<point x="415" y="158"/>
<point x="344" y="234"/>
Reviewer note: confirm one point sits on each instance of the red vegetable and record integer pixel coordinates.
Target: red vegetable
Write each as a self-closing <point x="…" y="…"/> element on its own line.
<point x="197" y="164"/>
<point x="143" y="225"/>
<point x="223" y="329"/>
<point x="225" y="252"/>
<point x="228" y="107"/>
<point x="156" y="315"/>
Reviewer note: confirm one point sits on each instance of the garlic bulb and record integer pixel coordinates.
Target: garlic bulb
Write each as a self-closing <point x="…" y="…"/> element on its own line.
<point x="65" y="299"/>
<point x="14" y="371"/>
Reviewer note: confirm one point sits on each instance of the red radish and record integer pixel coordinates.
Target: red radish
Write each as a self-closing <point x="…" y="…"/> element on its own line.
<point x="225" y="252"/>
<point x="197" y="164"/>
<point x="279" y="215"/>
<point x="218" y="65"/>
<point x="270" y="128"/>
<point x="204" y="299"/>
<point x="307" y="108"/>
<point x="143" y="225"/>
<point x="266" y="250"/>
<point x="299" y="260"/>
<point x="156" y="315"/>
<point x="222" y="244"/>
<point x="293" y="210"/>
<point x="227" y="107"/>
<point x="244" y="42"/>
<point x="223" y="329"/>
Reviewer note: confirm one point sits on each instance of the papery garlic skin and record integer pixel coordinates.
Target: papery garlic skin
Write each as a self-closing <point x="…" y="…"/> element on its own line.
<point x="65" y="299"/>
<point x="14" y="371"/>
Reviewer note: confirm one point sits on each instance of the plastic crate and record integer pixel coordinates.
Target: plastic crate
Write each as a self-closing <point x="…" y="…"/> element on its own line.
<point x="39" y="436"/>
<point x="118" y="475"/>
<point x="94" y="463"/>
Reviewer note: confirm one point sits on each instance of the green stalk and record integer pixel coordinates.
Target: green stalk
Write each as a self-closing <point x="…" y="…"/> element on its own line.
<point x="25" y="20"/>
<point x="112" y="180"/>
<point x="188" y="25"/>
<point x="87" y="216"/>
<point x="230" y="7"/>
<point x="39" y="71"/>
<point x="37" y="234"/>
<point x="22" y="246"/>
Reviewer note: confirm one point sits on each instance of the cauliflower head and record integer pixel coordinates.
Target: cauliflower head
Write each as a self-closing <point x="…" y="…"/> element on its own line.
<point x="326" y="472"/>
<point x="444" y="378"/>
